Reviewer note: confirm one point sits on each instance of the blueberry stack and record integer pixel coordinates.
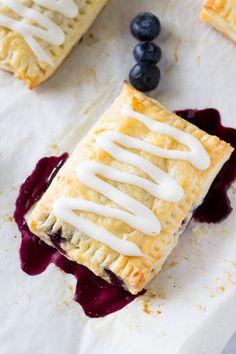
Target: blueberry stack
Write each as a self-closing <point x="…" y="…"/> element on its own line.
<point x="145" y="75"/>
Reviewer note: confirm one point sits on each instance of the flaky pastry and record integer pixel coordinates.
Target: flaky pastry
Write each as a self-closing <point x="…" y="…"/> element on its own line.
<point x="221" y="14"/>
<point x="35" y="38"/>
<point x="131" y="120"/>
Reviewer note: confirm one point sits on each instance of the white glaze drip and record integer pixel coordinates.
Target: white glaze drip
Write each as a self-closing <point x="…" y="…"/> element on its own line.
<point x="50" y="31"/>
<point x="133" y="212"/>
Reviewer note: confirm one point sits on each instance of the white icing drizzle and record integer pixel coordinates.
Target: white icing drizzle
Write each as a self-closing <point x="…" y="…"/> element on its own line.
<point x="133" y="212"/>
<point x="50" y="31"/>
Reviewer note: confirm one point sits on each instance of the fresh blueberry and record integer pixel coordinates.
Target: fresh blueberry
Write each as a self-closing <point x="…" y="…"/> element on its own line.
<point x="147" y="52"/>
<point x="145" y="77"/>
<point x="145" y="26"/>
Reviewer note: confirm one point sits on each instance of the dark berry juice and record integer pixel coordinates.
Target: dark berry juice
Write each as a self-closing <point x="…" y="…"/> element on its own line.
<point x="97" y="297"/>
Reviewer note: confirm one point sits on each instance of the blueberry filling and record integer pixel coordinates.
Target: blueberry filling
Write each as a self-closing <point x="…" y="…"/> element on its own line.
<point x="113" y="278"/>
<point x="56" y="240"/>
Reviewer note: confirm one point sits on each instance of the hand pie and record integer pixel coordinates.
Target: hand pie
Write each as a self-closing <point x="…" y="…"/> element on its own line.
<point x="221" y="14"/>
<point x="36" y="36"/>
<point x="120" y="202"/>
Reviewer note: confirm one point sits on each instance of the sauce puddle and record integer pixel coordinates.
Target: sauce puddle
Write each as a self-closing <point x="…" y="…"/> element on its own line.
<point x="216" y="206"/>
<point x="97" y="297"/>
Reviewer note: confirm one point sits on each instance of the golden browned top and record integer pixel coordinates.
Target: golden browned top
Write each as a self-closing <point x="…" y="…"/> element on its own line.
<point x="134" y="271"/>
<point x="221" y="14"/>
<point x="17" y="57"/>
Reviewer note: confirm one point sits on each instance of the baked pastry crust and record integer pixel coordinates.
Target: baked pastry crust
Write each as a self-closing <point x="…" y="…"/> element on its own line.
<point x="221" y="14"/>
<point x="135" y="272"/>
<point x="15" y="54"/>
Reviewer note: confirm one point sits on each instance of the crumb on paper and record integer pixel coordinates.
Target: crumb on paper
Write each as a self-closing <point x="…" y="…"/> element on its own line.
<point x="91" y="39"/>
<point x="176" y="51"/>
<point x="10" y="218"/>
<point x="198" y="60"/>
<point x="67" y="299"/>
<point x="158" y="294"/>
<point x="6" y="218"/>
<point x="233" y="263"/>
<point x="198" y="233"/>
<point x="146" y="307"/>
<point x="150" y="295"/>
<point x="225" y="280"/>
<point x="221" y="288"/>
<point x="168" y="69"/>
<point x="218" y="291"/>
<point x="92" y="74"/>
<point x="107" y="33"/>
<point x="54" y="146"/>
<point x="65" y="303"/>
<point x="162" y="295"/>
<point x="223" y="231"/>
<point x="70" y="287"/>
<point x="153" y="298"/>
<point x="172" y="264"/>
<point x="230" y="278"/>
<point x="201" y="308"/>
<point x="90" y="107"/>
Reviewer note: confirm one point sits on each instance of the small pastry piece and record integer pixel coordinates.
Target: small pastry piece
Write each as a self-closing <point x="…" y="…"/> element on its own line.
<point x="36" y="36"/>
<point x="221" y="14"/>
<point x="120" y="202"/>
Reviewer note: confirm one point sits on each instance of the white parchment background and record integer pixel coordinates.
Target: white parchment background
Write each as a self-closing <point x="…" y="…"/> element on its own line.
<point x="193" y="310"/>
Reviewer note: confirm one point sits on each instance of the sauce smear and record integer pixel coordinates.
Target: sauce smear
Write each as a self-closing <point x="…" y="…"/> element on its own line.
<point x="97" y="297"/>
<point x="216" y="206"/>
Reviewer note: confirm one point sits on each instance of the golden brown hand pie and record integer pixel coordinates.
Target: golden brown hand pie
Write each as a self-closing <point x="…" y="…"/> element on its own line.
<point x="131" y="124"/>
<point x="221" y="14"/>
<point x="17" y="56"/>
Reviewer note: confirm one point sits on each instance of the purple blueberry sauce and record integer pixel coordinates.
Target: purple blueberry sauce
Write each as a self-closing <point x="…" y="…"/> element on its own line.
<point x="97" y="297"/>
<point x="216" y="206"/>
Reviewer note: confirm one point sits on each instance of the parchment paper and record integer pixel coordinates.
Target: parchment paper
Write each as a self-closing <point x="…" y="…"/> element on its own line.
<point x="190" y="308"/>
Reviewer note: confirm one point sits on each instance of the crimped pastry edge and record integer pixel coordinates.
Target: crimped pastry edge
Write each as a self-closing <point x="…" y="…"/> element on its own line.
<point x="212" y="17"/>
<point x="14" y="51"/>
<point x="134" y="272"/>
